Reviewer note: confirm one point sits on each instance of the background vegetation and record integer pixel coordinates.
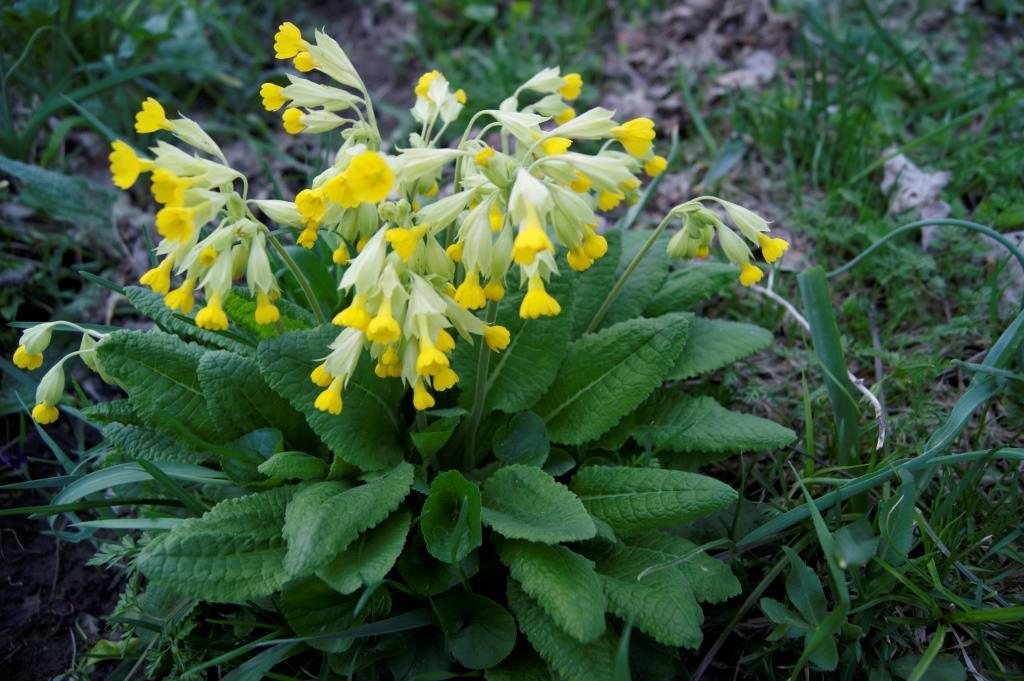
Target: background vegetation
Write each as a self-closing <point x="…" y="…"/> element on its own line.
<point x="794" y="110"/>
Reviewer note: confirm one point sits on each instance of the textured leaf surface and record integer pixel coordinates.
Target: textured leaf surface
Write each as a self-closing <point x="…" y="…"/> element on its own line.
<point x="152" y="305"/>
<point x="313" y="608"/>
<point x="66" y="198"/>
<point x="368" y="559"/>
<point x="159" y="373"/>
<point x="241" y="308"/>
<point x="574" y="661"/>
<point x="233" y="552"/>
<point x="138" y="442"/>
<point x="524" y="502"/>
<point x="450" y="519"/>
<point x="715" y="343"/>
<point x="593" y="285"/>
<point x="634" y="499"/>
<point x="113" y="411"/>
<point x="686" y="287"/>
<point x="608" y="374"/>
<point x="240" y="400"/>
<point x="681" y="423"/>
<point x="294" y="466"/>
<point x="480" y="632"/>
<point x="520" y="373"/>
<point x="710" y="580"/>
<point x="661" y="605"/>
<point x="646" y="280"/>
<point x="325" y="517"/>
<point x="365" y="433"/>
<point x="562" y="582"/>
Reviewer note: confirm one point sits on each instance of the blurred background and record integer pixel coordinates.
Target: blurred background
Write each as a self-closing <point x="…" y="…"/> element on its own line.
<point x="838" y="121"/>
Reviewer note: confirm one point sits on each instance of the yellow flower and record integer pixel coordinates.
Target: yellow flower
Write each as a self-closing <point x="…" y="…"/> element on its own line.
<point x="388" y="366"/>
<point x="272" y="97"/>
<point x="538" y="302"/>
<point x="355" y="315"/>
<point x="655" y="166"/>
<point x="460" y="96"/>
<point x="494" y="291"/>
<point x="158" y="279"/>
<point x="529" y="242"/>
<point x="470" y="294"/>
<point x="330" y="399"/>
<point x="454" y="251"/>
<point x="635" y="135"/>
<point x="212" y="317"/>
<point x="311" y="204"/>
<point x="484" y="156"/>
<point x="370" y="176"/>
<point x="608" y="200"/>
<point x="340" y="191"/>
<point x="423" y="85"/>
<point x="304" y="62"/>
<point x="421" y="399"/>
<point x="571" y="87"/>
<point x="182" y="298"/>
<point x="581" y="184"/>
<point x="292" y="119"/>
<point x="568" y="113"/>
<point x="307" y="237"/>
<point x="288" y="41"/>
<point x="168" y="188"/>
<point x="340" y="255"/>
<point x="208" y="256"/>
<point x="125" y="166"/>
<point x="578" y="259"/>
<point x="444" y="380"/>
<point x="556" y="145"/>
<point x="404" y="241"/>
<point x="266" y="311"/>
<point x="174" y="223"/>
<point x="750" y="274"/>
<point x="151" y="117"/>
<point x="495" y="217"/>
<point x="23" y="359"/>
<point x="497" y="337"/>
<point x="702" y="252"/>
<point x="361" y="244"/>
<point x="432" y="191"/>
<point x="321" y="376"/>
<point x="445" y="342"/>
<point x="630" y="185"/>
<point x="45" y="413"/>
<point x="772" y="248"/>
<point x="430" y="361"/>
<point x="383" y="328"/>
<point x="594" y="245"/>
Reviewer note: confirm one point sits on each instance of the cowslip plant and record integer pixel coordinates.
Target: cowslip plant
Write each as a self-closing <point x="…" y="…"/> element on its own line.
<point x="481" y="462"/>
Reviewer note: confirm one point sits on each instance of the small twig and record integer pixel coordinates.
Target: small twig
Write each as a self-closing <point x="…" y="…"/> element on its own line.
<point x="857" y="382"/>
<point x="968" y="662"/>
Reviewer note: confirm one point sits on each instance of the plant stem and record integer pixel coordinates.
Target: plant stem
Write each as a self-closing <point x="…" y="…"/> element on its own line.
<point x="480" y="396"/>
<point x="633" y="264"/>
<point x="303" y="282"/>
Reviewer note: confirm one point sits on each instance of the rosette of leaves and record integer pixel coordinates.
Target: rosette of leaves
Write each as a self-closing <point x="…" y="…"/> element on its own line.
<point x="517" y="531"/>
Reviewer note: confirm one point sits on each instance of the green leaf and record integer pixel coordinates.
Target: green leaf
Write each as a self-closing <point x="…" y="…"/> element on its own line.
<point x="716" y="343"/>
<point x="855" y="544"/>
<point x="152" y="305"/>
<point x="522" y="665"/>
<point x="240" y="400"/>
<point x="804" y="589"/>
<point x="365" y="434"/>
<point x="430" y="440"/>
<point x="159" y="373"/>
<point x="944" y="667"/>
<point x="593" y="285"/>
<point x="661" y="605"/>
<point x="234" y="552"/>
<point x="321" y="279"/>
<point x="690" y="285"/>
<point x="325" y="517"/>
<point x="138" y="442"/>
<point x="710" y="580"/>
<point x="480" y="632"/>
<point x="635" y="499"/>
<point x="450" y="519"/>
<point x="645" y="281"/>
<point x="524" y="502"/>
<point x="574" y="661"/>
<point x="294" y="466"/>
<point x="520" y="373"/>
<point x="113" y="411"/>
<point x="428" y="576"/>
<point x="313" y="608"/>
<point x="562" y="582"/>
<point x="368" y="559"/>
<point x="241" y="308"/>
<point x="676" y="422"/>
<point x="524" y="439"/>
<point x="64" y="198"/>
<point x="608" y="374"/>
